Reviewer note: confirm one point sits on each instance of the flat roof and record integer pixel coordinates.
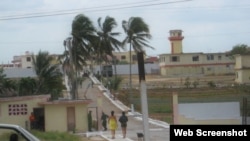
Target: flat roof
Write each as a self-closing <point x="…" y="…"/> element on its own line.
<point x="66" y="102"/>
<point x="21" y="98"/>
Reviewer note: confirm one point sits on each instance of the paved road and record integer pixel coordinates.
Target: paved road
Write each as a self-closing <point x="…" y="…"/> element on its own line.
<point x="102" y="102"/>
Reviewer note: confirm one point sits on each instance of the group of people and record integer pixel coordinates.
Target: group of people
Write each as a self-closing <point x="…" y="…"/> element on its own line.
<point x="112" y="122"/>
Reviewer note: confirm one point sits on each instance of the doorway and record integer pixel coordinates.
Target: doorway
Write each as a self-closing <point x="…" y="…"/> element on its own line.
<point x="71" y="123"/>
<point x="39" y="116"/>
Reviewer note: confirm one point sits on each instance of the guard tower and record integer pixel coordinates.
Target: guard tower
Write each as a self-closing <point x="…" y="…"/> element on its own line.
<point x="176" y="41"/>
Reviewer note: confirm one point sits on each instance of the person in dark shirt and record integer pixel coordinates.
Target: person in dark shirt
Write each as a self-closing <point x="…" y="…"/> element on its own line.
<point x="104" y="118"/>
<point x="123" y="120"/>
<point x="90" y="121"/>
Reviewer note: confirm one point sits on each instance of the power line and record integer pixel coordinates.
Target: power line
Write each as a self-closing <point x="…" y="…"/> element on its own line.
<point x="13" y="17"/>
<point x="72" y="11"/>
<point x="49" y="12"/>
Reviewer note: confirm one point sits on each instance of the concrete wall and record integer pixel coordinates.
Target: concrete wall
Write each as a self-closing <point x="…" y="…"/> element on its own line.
<point x="56" y="117"/>
<point x="205" y="113"/>
<point x="242" y="68"/>
<point x="186" y="120"/>
<point x="124" y="69"/>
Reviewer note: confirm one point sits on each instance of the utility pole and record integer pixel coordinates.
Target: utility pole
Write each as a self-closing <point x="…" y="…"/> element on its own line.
<point x="143" y="90"/>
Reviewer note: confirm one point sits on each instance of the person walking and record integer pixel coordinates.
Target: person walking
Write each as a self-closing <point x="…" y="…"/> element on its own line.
<point x="104" y="121"/>
<point x="90" y="121"/>
<point x="32" y="120"/>
<point x="112" y="121"/>
<point x="123" y="120"/>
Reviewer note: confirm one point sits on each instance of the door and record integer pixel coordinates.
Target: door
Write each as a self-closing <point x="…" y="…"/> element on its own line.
<point x="71" y="118"/>
<point x="39" y="118"/>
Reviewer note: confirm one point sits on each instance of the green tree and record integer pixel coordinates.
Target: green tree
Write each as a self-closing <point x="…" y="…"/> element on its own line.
<point x="26" y="86"/>
<point x="78" y="49"/>
<point x="211" y="84"/>
<point x="195" y="83"/>
<point x="49" y="77"/>
<point x="114" y="84"/>
<point x="240" y="49"/>
<point x="137" y="35"/>
<point x="7" y="86"/>
<point x="107" y="39"/>
<point x="187" y="82"/>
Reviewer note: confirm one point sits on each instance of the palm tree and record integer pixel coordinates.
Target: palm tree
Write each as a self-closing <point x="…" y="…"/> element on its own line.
<point x="49" y="75"/>
<point x="77" y="50"/>
<point x="26" y="86"/>
<point x="107" y="38"/>
<point x="7" y="86"/>
<point x="137" y="32"/>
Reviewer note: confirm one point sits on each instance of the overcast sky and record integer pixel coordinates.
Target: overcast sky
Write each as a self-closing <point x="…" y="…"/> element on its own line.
<point x="208" y="25"/>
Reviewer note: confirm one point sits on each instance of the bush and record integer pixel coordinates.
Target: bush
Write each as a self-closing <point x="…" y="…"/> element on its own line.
<point x="211" y="84"/>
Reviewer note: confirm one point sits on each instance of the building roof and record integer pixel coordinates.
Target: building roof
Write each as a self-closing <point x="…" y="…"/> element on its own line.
<point x="19" y="72"/>
<point x="194" y="53"/>
<point x="21" y="98"/>
<point x="66" y="102"/>
<point x="204" y="111"/>
<point x="151" y="59"/>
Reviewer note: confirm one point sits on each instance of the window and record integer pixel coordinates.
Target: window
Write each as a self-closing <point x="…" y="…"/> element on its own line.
<point x="175" y="59"/>
<point x="210" y="57"/>
<point x="28" y="59"/>
<point x="123" y="57"/>
<point x="209" y="69"/>
<point x="195" y="58"/>
<point x="17" y="109"/>
<point x="162" y="59"/>
<point x="219" y="57"/>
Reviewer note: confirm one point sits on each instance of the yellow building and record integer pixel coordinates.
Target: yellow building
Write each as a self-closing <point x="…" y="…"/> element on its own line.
<point x="124" y="56"/>
<point x="60" y="115"/>
<point x="25" y="61"/>
<point x="66" y="115"/>
<point x="185" y="64"/>
<point x="242" y="69"/>
<point x="16" y="110"/>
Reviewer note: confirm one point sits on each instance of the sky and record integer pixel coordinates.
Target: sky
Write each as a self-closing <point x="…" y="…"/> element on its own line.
<point x="209" y="26"/>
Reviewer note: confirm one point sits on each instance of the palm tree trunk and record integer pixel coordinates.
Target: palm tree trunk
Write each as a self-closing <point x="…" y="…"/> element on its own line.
<point x="114" y="60"/>
<point x="130" y="75"/>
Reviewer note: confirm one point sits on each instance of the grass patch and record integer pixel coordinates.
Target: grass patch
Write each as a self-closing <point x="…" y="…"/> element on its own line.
<point x="55" y="136"/>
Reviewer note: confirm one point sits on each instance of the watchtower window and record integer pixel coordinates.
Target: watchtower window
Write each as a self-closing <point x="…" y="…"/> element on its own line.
<point x="175" y="59"/>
